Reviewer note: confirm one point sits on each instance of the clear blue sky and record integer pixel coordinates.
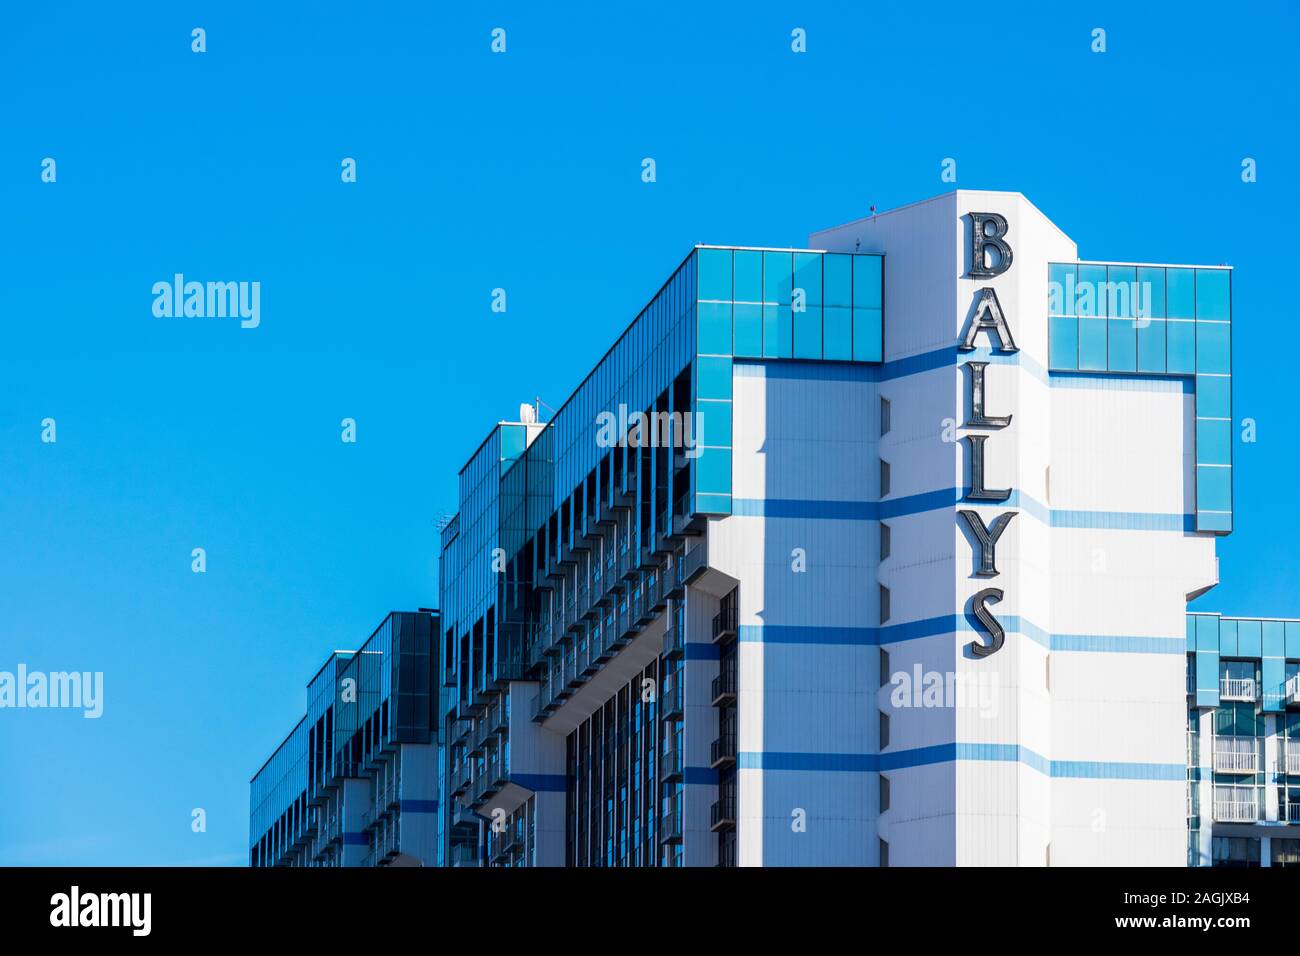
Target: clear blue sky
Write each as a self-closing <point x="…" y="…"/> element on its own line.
<point x="478" y="171"/>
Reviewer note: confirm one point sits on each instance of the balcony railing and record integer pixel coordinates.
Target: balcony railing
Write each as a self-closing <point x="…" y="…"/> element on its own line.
<point x="722" y="815"/>
<point x="670" y="762"/>
<point x="724" y="624"/>
<point x="1291" y="692"/>
<point x="724" y="687"/>
<point x="722" y="752"/>
<point x="674" y="646"/>
<point x="1236" y="811"/>
<point x="695" y="561"/>
<point x="1235" y="755"/>
<point x="1237" y="688"/>
<point x="672" y="702"/>
<point x="670" y="826"/>
<point x="1291" y="758"/>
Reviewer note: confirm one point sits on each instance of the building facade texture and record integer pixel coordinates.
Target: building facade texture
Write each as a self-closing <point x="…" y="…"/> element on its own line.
<point x="875" y="553"/>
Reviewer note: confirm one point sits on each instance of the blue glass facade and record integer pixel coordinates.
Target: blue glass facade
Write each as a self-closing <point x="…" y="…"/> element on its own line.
<point x="1156" y="320"/>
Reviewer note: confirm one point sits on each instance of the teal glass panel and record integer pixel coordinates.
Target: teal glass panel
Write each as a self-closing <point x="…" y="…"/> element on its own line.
<point x="1274" y="634"/>
<point x="1060" y="289"/>
<point x="1213" y="442"/>
<point x="1180" y="293"/>
<point x="1213" y="488"/>
<point x="713" y="504"/>
<point x="1121" y="293"/>
<point x="777" y="282"/>
<point x="1293" y="643"/>
<point x="712" y="377"/>
<point x="1150" y="293"/>
<point x="1213" y="396"/>
<point x="1151" y="345"/>
<point x="1090" y="292"/>
<point x="868" y="342"/>
<point x="1212" y="287"/>
<point x="1064" y="342"/>
<point x="715" y="273"/>
<point x="748" y="332"/>
<point x="1227" y="637"/>
<point x="808" y="276"/>
<point x="1181" y="346"/>
<point x="837" y="333"/>
<point x="1092" y="344"/>
<point x="1206" y="521"/>
<point x="713" y="471"/>
<point x="1207" y="636"/>
<point x="748" y="275"/>
<point x="714" y="328"/>
<point x="808" y="333"/>
<point x="837" y="275"/>
<point x="1121" y="346"/>
<point x="777" y="332"/>
<point x="1212" y="347"/>
<point x="867" y="291"/>
<point x="712" y="423"/>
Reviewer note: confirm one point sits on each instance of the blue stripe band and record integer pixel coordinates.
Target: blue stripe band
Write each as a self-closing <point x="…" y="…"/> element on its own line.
<point x="945" y="753"/>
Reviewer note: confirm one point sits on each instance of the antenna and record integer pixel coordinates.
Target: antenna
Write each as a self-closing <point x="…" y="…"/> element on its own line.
<point x="537" y="399"/>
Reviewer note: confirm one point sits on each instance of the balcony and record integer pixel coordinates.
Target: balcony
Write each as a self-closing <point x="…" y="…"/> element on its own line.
<point x="1291" y="758"/>
<point x="658" y="593"/>
<point x="1236" y="811"/>
<point x="674" y="645"/>
<point x="1291" y="692"/>
<point x="722" y="753"/>
<point x="724" y="624"/>
<point x="670" y="762"/>
<point x="670" y="826"/>
<point x="672" y="703"/>
<point x="724" y="687"/>
<point x="722" y="815"/>
<point x="695" y="562"/>
<point x="1236" y="755"/>
<point x="1237" y="688"/>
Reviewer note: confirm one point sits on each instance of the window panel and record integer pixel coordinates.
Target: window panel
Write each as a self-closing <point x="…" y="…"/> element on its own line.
<point x="712" y="424"/>
<point x="808" y="333"/>
<point x="1060" y="288"/>
<point x="1213" y="488"/>
<point x="714" y="335"/>
<point x="1151" y="293"/>
<point x="715" y="273"/>
<point x="748" y="276"/>
<point x="1213" y="442"/>
<point x="837" y="274"/>
<point x="1212" y="347"/>
<point x="867" y="335"/>
<point x="748" y="332"/>
<point x="1212" y="300"/>
<point x="777" y="333"/>
<point x="1092" y="344"/>
<point x="1181" y="346"/>
<point x="1151" y="345"/>
<point x="837" y="333"/>
<point x="867" y="282"/>
<point x="1121" y="347"/>
<point x="808" y="276"/>
<point x="713" y="471"/>
<point x="1180" y="293"/>
<point x="1090" y="292"/>
<point x="1120" y="282"/>
<point x="1064" y="343"/>
<point x="712" y="377"/>
<point x="1213" y="396"/>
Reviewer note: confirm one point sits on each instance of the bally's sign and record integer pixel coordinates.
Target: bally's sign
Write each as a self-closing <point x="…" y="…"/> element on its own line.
<point x="990" y="256"/>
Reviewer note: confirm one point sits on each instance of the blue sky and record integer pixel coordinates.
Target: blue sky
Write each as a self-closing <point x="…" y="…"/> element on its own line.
<point x="478" y="171"/>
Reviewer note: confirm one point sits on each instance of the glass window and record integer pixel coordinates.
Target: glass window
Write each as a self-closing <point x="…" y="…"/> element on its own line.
<point x="1064" y="342"/>
<point x="777" y="293"/>
<point x="1180" y="293"/>
<point x="1121" y="283"/>
<point x="1213" y="396"/>
<point x="1150" y="345"/>
<point x="837" y="332"/>
<point x="1150" y="300"/>
<point x="715" y="274"/>
<point x="808" y="332"/>
<point x="1212" y="287"/>
<point x="1213" y="442"/>
<point x="1212" y="347"/>
<point x="712" y="377"/>
<point x="1181" y="346"/>
<point x="715" y="328"/>
<point x="1092" y="344"/>
<point x="1213" y="488"/>
<point x="748" y="276"/>
<point x="712" y="424"/>
<point x="808" y="276"/>
<point x="1121" y="347"/>
<point x="748" y="333"/>
<point x="867" y="292"/>
<point x="868" y="335"/>
<point x="837" y="273"/>
<point x="777" y="332"/>
<point x="713" y="471"/>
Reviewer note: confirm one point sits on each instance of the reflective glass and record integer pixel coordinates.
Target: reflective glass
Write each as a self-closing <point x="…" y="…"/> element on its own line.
<point x="1213" y="442"/>
<point x="1060" y="289"/>
<point x="1212" y="347"/>
<point x="1180" y="293"/>
<point x="837" y="333"/>
<point x="1151" y="345"/>
<point x="1212" y="294"/>
<point x="867" y="335"/>
<point x="1092" y="344"/>
<point x="715" y="273"/>
<point x="715" y="328"/>
<point x="1064" y="342"/>
<point x="1181" y="346"/>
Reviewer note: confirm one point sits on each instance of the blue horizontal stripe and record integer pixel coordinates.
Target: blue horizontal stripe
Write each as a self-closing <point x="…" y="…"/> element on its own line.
<point x="944" y="753"/>
<point x="355" y="839"/>
<point x="808" y="634"/>
<point x="704" y="776"/>
<point x="541" y="782"/>
<point x="702" y="651"/>
<point x="862" y="510"/>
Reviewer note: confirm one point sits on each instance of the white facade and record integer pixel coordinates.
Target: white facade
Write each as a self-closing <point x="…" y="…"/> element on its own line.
<point x="1075" y="752"/>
